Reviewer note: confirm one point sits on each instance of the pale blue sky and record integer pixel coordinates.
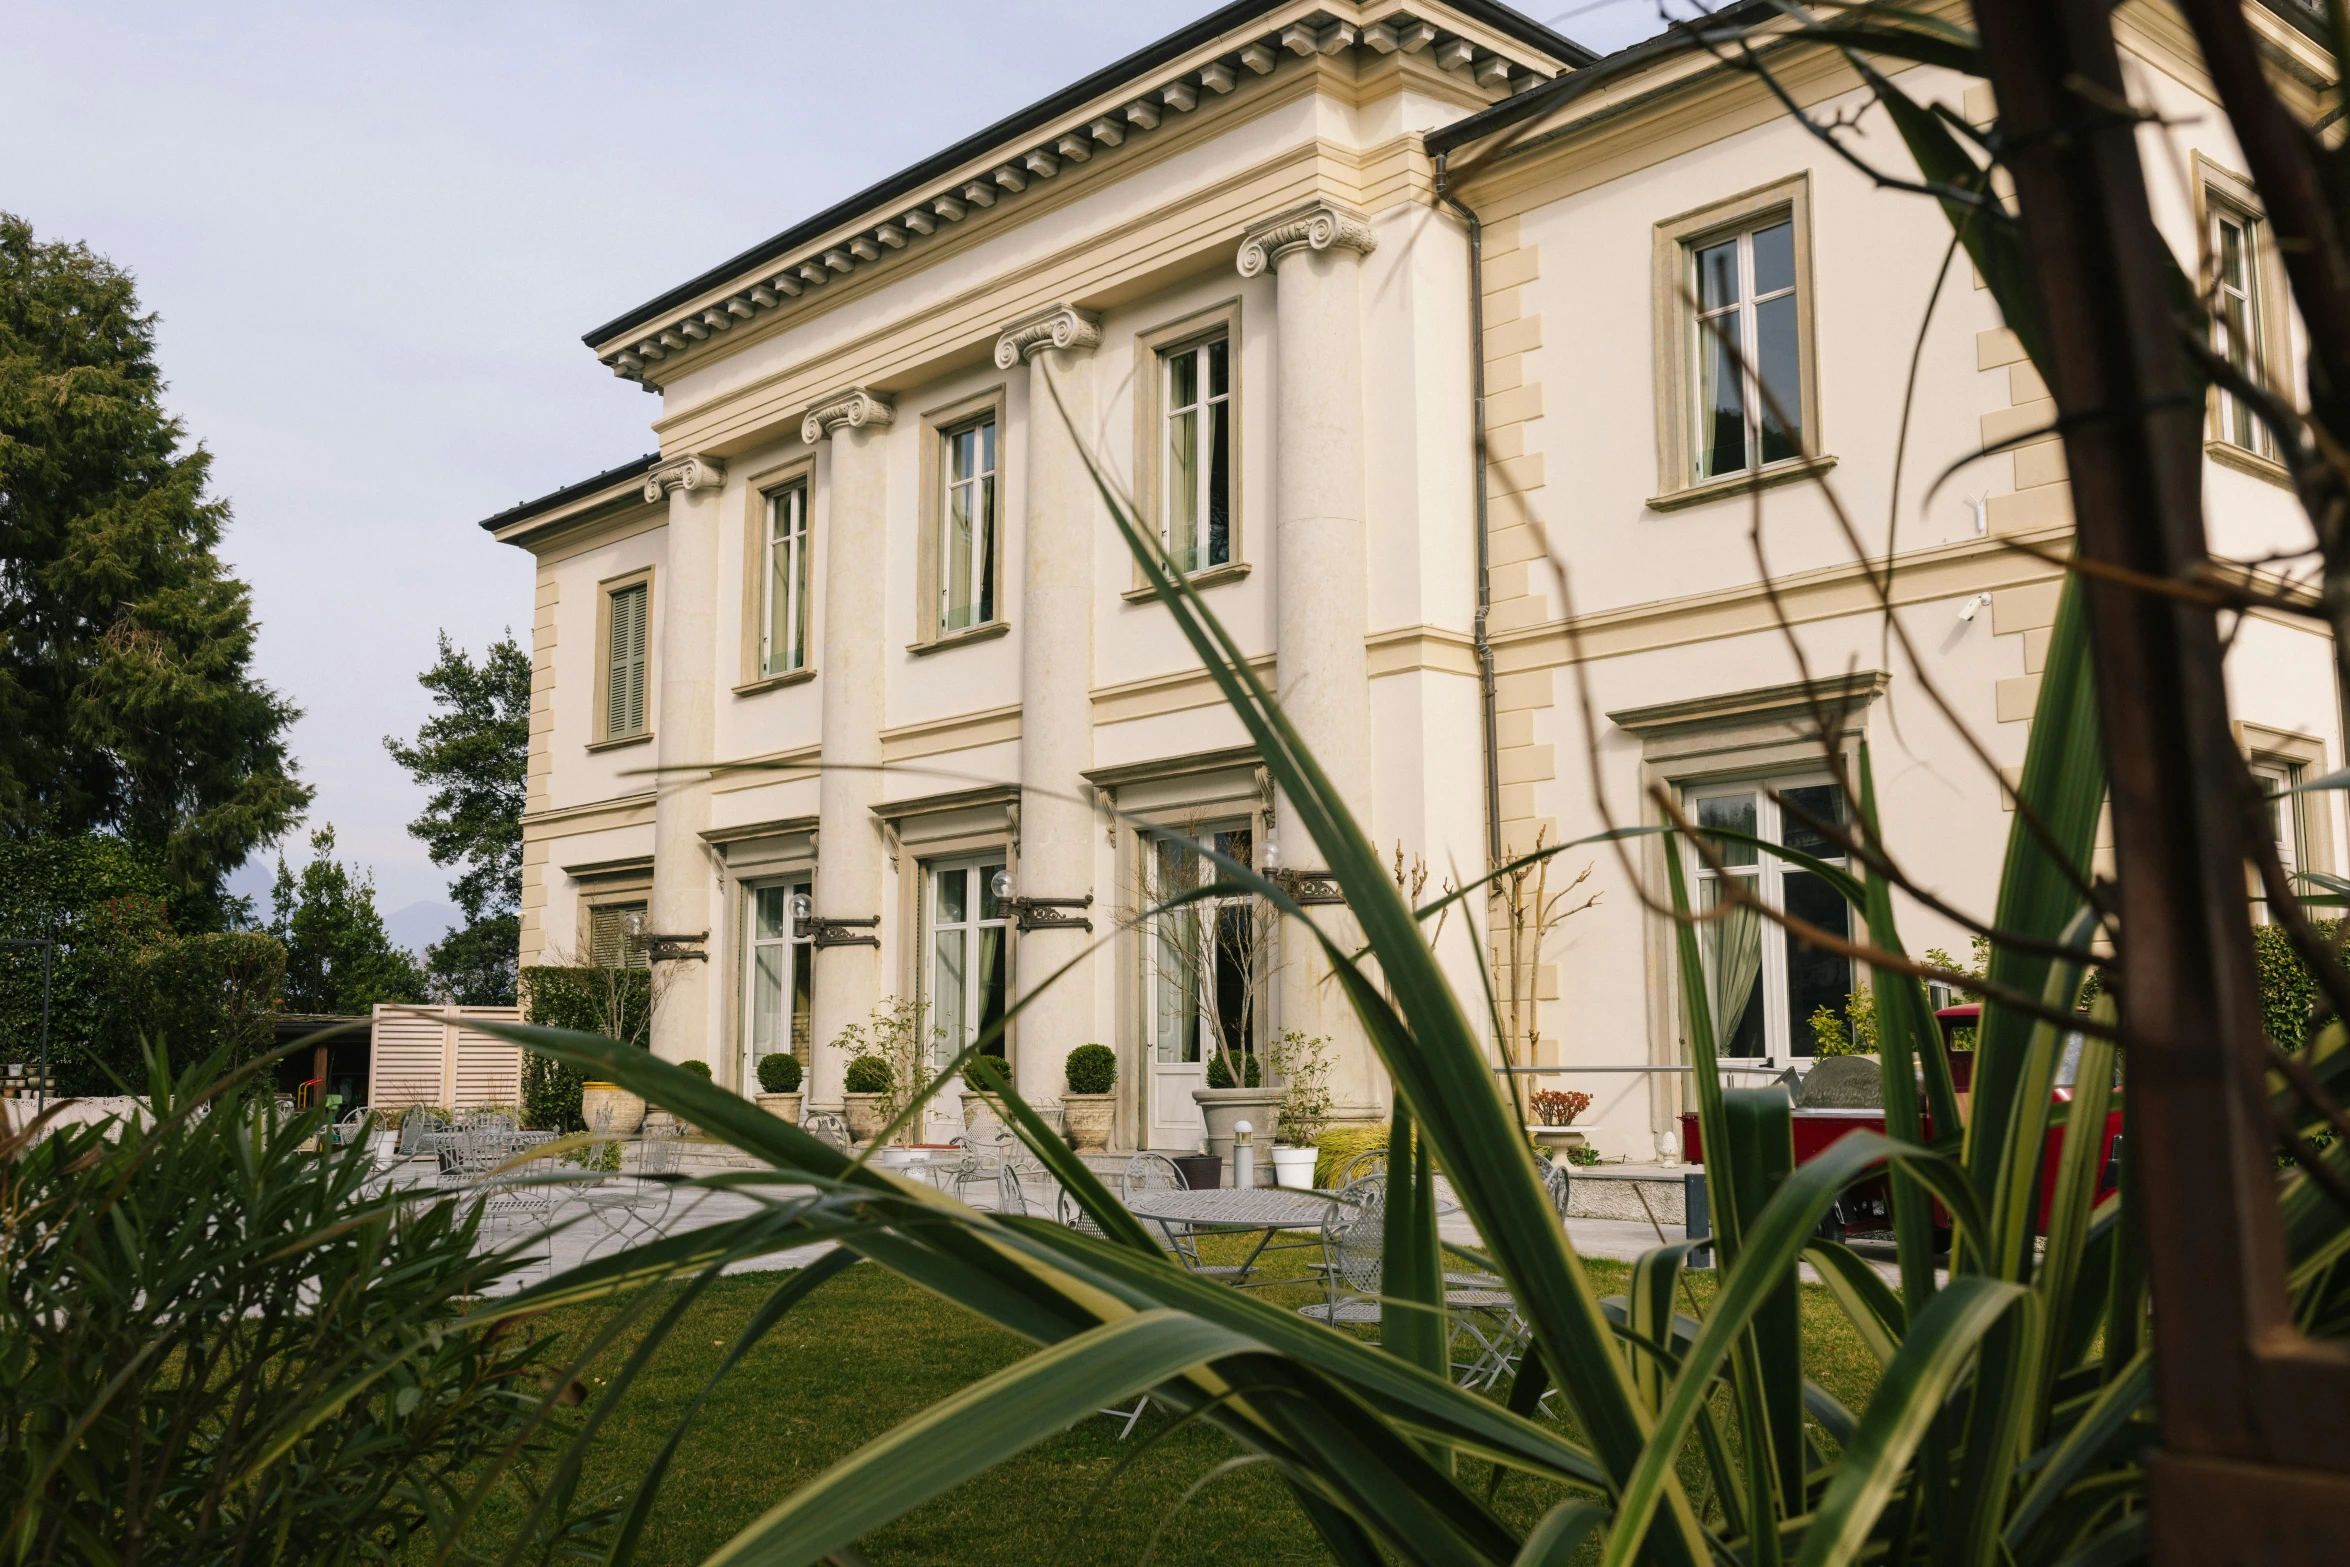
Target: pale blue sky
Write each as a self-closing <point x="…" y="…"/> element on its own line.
<point x="374" y="235"/>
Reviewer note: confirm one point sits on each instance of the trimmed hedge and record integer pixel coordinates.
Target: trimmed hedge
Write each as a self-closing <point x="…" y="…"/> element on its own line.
<point x="2288" y="991"/>
<point x="700" y="1069"/>
<point x="1092" y="1069"/>
<point x="1220" y="1075"/>
<point x="866" y="1075"/>
<point x="779" y="1073"/>
<point x="616" y="1003"/>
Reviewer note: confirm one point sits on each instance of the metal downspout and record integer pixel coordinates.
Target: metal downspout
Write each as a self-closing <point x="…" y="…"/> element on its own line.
<point x="1483" y="642"/>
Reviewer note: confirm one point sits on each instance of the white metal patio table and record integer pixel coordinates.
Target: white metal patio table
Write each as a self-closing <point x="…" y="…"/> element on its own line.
<point x="1265" y="1209"/>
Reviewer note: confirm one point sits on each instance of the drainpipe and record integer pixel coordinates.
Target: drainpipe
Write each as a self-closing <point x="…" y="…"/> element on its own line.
<point x="1483" y="641"/>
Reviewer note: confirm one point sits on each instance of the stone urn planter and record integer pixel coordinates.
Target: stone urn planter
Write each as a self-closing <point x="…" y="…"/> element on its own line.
<point x="1558" y="1138"/>
<point x="627" y="1110"/>
<point x="1086" y="1118"/>
<point x="867" y="1114"/>
<point x="784" y="1107"/>
<point x="983" y="1116"/>
<point x="1221" y="1107"/>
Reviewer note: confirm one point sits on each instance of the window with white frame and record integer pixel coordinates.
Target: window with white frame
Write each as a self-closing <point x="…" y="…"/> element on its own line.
<point x="781" y="995"/>
<point x="2236" y="325"/>
<point x="1195" y="503"/>
<point x="966" y="953"/>
<point x="2277" y="782"/>
<point x="1747" y="349"/>
<point x="1203" y="959"/>
<point x="1763" y="982"/>
<point x="783" y="619"/>
<point x="967" y="528"/>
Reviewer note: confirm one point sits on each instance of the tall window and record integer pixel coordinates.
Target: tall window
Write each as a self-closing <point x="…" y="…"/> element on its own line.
<point x="2277" y="781"/>
<point x="2235" y="321"/>
<point x="1748" y="345"/>
<point x="782" y="988"/>
<point x="624" y="705"/>
<point x="1205" y="958"/>
<point x="1765" y="984"/>
<point x="783" y="627"/>
<point x="967" y="531"/>
<point x="967" y="953"/>
<point x="610" y="942"/>
<point x="1196" y="508"/>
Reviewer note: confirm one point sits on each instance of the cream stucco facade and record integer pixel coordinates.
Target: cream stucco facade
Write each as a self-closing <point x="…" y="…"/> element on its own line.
<point x="1265" y="181"/>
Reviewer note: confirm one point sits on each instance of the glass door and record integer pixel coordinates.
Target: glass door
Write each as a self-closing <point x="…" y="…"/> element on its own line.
<point x="964" y="986"/>
<point x="782" y="981"/>
<point x="1765" y="984"/>
<point x="1201" y="964"/>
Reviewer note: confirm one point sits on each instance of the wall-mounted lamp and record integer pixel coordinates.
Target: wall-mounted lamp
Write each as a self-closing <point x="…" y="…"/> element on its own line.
<point x="1973" y="606"/>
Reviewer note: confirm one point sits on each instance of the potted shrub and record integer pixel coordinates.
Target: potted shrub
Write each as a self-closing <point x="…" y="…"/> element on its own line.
<point x="984" y="1077"/>
<point x="1303" y="1066"/>
<point x="1088" y="1105"/>
<point x="1553" y="1108"/>
<point x="779" y="1086"/>
<point x="867" y="1091"/>
<point x="1236" y="1091"/>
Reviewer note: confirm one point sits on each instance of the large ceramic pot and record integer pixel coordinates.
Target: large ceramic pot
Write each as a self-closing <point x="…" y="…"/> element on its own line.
<point x="1086" y="1118"/>
<point x="867" y="1115"/>
<point x="784" y="1107"/>
<point x="1222" y="1107"/>
<point x="983" y="1116"/>
<point x="627" y="1110"/>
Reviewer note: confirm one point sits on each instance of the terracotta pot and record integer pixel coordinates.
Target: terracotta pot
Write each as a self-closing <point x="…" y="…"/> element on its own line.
<point x="1087" y="1118"/>
<point x="1221" y="1107"/>
<point x="784" y="1107"/>
<point x="867" y="1115"/>
<point x="627" y="1109"/>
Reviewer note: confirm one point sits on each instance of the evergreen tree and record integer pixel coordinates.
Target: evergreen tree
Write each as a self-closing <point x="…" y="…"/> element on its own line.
<point x="338" y="957"/>
<point x="474" y="754"/>
<point x="127" y="700"/>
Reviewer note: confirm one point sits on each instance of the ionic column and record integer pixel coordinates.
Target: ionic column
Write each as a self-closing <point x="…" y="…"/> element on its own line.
<point x="1320" y="594"/>
<point x="848" y="842"/>
<point x="1056" y="681"/>
<point x="685" y="598"/>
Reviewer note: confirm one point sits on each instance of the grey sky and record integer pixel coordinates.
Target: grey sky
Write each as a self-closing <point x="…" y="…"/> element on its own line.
<point x="374" y="235"/>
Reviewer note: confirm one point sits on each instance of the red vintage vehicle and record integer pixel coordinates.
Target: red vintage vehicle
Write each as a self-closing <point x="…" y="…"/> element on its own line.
<point x="1866" y="1205"/>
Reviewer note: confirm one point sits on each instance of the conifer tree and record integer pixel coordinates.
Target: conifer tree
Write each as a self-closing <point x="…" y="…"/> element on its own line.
<point x="339" y="958"/>
<point x="474" y="754"/>
<point x="127" y="698"/>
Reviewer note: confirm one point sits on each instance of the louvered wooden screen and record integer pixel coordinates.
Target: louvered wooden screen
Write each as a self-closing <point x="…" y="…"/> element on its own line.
<point x="429" y="1056"/>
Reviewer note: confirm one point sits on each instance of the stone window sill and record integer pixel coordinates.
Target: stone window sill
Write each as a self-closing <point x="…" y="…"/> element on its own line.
<point x="1790" y="472"/>
<point x="1213" y="577"/>
<point x="621" y="742"/>
<point x="986" y="633"/>
<point x="790" y="677"/>
<point x="2229" y="455"/>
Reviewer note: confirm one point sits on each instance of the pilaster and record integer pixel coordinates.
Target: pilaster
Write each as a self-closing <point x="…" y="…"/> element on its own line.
<point x="683" y="897"/>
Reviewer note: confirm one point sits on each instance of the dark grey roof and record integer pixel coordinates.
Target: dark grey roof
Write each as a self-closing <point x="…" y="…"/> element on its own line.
<point x="523" y="511"/>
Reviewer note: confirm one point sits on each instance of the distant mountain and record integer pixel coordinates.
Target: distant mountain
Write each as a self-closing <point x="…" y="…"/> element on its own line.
<point x="419" y="925"/>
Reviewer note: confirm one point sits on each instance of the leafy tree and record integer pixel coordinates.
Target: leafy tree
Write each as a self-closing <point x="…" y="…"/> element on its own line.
<point x="338" y="957"/>
<point x="474" y="754"/>
<point x="127" y="699"/>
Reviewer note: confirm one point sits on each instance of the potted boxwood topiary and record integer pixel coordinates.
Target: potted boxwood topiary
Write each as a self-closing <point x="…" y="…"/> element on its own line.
<point x="866" y="1087"/>
<point x="779" y="1086"/>
<point x="983" y="1103"/>
<point x="1226" y="1101"/>
<point x="1089" y="1105"/>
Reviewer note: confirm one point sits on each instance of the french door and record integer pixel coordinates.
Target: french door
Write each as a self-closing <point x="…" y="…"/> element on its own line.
<point x="778" y="1001"/>
<point x="1764" y="984"/>
<point x="1201" y="966"/>
<point x="965" y="952"/>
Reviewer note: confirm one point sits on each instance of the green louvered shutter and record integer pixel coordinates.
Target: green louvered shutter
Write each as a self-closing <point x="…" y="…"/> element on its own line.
<point x="624" y="712"/>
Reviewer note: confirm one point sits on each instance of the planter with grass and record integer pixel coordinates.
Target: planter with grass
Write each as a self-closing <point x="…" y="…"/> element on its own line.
<point x="1089" y="1105"/>
<point x="866" y="1087"/>
<point x="1225" y="1102"/>
<point x="779" y="1086"/>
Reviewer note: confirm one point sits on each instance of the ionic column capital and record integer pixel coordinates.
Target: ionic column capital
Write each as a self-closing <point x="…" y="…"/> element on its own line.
<point x="1317" y="225"/>
<point x="1056" y="326"/>
<point x="690" y="472"/>
<point x="856" y="407"/>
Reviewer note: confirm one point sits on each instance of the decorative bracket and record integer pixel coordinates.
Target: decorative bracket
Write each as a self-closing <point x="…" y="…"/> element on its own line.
<point x="1047" y="913"/>
<point x="676" y="949"/>
<point x="824" y="932"/>
<point x="1308" y="888"/>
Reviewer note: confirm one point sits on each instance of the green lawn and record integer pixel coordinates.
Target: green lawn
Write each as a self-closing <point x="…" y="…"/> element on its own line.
<point x="869" y="1349"/>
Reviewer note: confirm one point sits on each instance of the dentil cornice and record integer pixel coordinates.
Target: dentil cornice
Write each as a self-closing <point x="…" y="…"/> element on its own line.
<point x="1059" y="326"/>
<point x="855" y="408"/>
<point x="692" y="472"/>
<point x="1317" y="225"/>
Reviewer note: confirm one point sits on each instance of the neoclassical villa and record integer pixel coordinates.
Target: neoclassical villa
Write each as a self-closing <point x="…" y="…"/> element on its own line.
<point x="1414" y="361"/>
